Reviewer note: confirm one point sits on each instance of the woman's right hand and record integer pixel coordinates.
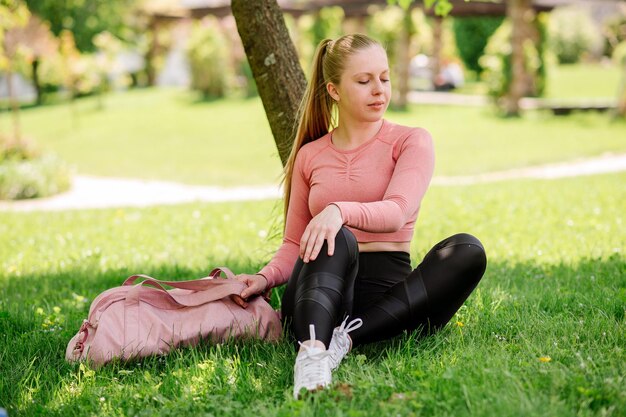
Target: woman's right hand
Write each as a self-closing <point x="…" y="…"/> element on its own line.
<point x="256" y="284"/>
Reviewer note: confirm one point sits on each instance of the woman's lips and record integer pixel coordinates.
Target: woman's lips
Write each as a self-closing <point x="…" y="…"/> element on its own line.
<point x="378" y="105"/>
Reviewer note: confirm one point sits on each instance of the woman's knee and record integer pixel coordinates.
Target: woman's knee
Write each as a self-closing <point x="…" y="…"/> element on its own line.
<point x="470" y="251"/>
<point x="461" y="252"/>
<point x="346" y="237"/>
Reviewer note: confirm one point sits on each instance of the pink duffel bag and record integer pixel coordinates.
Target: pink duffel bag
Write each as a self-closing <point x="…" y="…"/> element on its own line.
<point x="142" y="319"/>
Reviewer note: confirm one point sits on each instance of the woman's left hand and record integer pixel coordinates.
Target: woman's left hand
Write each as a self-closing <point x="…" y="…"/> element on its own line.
<point x="323" y="227"/>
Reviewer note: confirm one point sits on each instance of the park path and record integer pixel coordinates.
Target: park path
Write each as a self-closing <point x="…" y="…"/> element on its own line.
<point x="89" y="192"/>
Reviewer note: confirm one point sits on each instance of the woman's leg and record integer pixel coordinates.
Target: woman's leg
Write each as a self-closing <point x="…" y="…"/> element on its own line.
<point x="321" y="292"/>
<point x="431" y="293"/>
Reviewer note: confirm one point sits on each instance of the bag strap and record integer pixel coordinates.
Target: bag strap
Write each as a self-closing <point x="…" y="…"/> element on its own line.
<point x="194" y="284"/>
<point x="203" y="290"/>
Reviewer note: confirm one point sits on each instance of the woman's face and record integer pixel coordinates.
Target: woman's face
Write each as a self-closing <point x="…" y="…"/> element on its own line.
<point x="365" y="89"/>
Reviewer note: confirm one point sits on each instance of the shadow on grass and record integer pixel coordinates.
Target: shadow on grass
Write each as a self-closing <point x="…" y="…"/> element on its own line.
<point x="510" y="301"/>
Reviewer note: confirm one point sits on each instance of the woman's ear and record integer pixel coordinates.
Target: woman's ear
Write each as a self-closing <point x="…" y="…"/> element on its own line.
<point x="332" y="90"/>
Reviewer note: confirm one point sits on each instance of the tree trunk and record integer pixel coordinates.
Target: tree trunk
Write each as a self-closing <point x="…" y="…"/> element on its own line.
<point x="621" y="98"/>
<point x="437" y="48"/>
<point x="275" y="66"/>
<point x="36" y="84"/>
<point x="404" y="46"/>
<point x="517" y="11"/>
<point x="15" y="107"/>
<point x="151" y="54"/>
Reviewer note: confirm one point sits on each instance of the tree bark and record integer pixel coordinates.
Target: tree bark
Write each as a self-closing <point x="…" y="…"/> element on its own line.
<point x="437" y="48"/>
<point x="517" y="11"/>
<point x="36" y="83"/>
<point x="404" y="47"/>
<point x="15" y="107"/>
<point x="274" y="62"/>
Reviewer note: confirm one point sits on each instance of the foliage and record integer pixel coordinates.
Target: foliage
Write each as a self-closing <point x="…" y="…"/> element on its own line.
<point x="472" y="34"/>
<point x="83" y="74"/>
<point x="572" y="34"/>
<point x="326" y="24"/>
<point x="209" y="59"/>
<point x="26" y="173"/>
<point x="614" y="31"/>
<point x="441" y="7"/>
<point x="383" y="26"/>
<point x="85" y="18"/>
<point x="496" y="62"/>
<point x="542" y="334"/>
<point x="308" y="30"/>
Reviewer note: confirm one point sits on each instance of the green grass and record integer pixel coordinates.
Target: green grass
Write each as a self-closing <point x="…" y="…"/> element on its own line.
<point x="555" y="287"/>
<point x="583" y="81"/>
<point x="575" y="81"/>
<point x="167" y="135"/>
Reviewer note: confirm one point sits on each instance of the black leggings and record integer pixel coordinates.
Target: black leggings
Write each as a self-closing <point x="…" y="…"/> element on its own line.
<point x="381" y="288"/>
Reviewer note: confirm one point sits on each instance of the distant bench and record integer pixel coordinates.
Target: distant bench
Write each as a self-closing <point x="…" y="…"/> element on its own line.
<point x="563" y="108"/>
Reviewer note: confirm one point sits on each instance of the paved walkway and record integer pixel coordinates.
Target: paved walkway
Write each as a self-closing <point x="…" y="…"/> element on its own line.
<point x="97" y="192"/>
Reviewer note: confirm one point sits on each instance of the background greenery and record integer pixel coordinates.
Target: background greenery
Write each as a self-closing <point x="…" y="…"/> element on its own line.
<point x="170" y="134"/>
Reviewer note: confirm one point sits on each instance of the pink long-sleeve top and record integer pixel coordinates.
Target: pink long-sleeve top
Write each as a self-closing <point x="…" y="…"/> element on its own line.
<point x="377" y="186"/>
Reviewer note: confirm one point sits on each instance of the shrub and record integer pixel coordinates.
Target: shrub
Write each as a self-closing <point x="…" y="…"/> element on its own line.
<point x="614" y="31"/>
<point x="472" y="34"/>
<point x="572" y="34"/>
<point x="209" y="59"/>
<point x="496" y="61"/>
<point x="40" y="177"/>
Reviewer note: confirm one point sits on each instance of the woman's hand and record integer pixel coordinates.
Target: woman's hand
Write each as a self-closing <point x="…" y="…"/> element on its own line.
<point x="324" y="226"/>
<point x="256" y="285"/>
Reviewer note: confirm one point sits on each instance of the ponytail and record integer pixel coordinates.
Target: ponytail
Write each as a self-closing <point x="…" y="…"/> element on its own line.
<point x="315" y="113"/>
<point x="313" y="118"/>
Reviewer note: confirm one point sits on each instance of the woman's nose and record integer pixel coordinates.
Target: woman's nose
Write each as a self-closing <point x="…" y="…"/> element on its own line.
<point x="377" y="87"/>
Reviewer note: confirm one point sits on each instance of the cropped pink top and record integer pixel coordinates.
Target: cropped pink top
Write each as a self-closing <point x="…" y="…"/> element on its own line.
<point x="377" y="186"/>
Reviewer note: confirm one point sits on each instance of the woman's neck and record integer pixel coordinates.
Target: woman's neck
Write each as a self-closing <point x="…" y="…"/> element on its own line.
<point x="349" y="134"/>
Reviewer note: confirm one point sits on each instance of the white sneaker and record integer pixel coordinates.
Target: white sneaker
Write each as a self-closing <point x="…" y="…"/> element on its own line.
<point x="312" y="368"/>
<point x="341" y="343"/>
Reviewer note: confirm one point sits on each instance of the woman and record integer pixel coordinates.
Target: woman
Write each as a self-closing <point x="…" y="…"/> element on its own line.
<point x="352" y="196"/>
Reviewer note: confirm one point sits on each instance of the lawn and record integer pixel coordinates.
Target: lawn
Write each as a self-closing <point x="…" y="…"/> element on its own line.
<point x="170" y="135"/>
<point x="544" y="334"/>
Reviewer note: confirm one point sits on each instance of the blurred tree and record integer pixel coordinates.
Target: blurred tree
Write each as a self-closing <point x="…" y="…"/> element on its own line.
<point x="472" y="34"/>
<point x="406" y="31"/>
<point x="36" y="43"/>
<point x="208" y="58"/>
<point x="13" y="16"/>
<point x="521" y="15"/>
<point x="572" y="34"/>
<point x="85" y="18"/>
<point x="619" y="56"/>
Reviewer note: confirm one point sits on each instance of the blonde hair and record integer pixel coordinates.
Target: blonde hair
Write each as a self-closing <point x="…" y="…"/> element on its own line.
<point x="315" y="112"/>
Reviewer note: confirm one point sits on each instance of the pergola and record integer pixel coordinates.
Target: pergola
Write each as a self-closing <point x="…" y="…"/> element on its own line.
<point x="362" y="8"/>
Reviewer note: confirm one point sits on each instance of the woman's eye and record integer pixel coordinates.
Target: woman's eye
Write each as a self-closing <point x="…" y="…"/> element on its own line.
<point x="364" y="82"/>
<point x="385" y="81"/>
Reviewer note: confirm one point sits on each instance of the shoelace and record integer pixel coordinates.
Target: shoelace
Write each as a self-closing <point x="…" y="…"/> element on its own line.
<point x="342" y="340"/>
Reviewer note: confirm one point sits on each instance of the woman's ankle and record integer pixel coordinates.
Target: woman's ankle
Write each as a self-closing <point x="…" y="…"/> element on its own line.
<point x="313" y="344"/>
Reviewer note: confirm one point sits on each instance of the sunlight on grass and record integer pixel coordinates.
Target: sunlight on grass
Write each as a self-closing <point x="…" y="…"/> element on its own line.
<point x="555" y="288"/>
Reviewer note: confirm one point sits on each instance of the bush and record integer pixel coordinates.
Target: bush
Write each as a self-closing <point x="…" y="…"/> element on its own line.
<point x="472" y="34"/>
<point x="614" y="31"/>
<point x="496" y="62"/>
<point x="40" y="177"/>
<point x="26" y="173"/>
<point x="209" y="59"/>
<point x="572" y="34"/>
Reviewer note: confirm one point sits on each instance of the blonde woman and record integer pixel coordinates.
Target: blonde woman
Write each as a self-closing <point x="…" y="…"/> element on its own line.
<point x="352" y="196"/>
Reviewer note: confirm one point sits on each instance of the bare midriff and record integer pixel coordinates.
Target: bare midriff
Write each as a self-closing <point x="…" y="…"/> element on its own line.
<point x="385" y="247"/>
